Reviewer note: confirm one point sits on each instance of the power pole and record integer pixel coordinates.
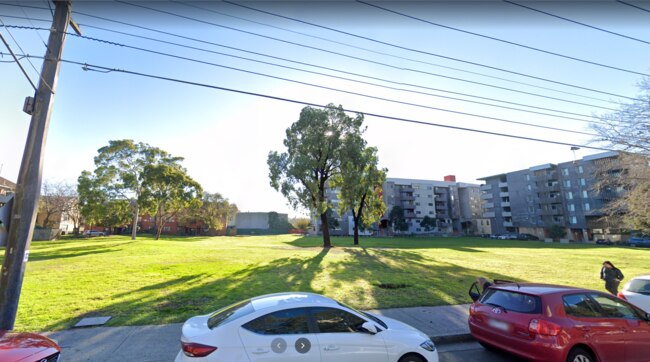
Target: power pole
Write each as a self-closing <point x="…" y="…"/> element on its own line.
<point x="28" y="186"/>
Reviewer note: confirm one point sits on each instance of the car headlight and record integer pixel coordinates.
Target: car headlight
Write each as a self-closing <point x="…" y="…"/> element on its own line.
<point x="428" y="345"/>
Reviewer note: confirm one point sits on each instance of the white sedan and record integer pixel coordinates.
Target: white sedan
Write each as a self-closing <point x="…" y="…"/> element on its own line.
<point x="303" y="327"/>
<point x="637" y="292"/>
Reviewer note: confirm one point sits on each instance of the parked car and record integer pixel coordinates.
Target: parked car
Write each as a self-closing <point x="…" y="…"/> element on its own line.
<point x="639" y="241"/>
<point x="300" y="327"/>
<point x="637" y="292"/>
<point x="541" y="322"/>
<point x="604" y="242"/>
<point x="92" y="233"/>
<point x="525" y="236"/>
<point x="508" y="237"/>
<point x="27" y="347"/>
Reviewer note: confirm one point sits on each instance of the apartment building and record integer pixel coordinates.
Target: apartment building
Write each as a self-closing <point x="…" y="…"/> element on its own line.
<point x="455" y="206"/>
<point x="534" y="199"/>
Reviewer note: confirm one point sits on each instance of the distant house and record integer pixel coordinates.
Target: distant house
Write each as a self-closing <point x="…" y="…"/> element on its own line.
<point x="6" y="187"/>
<point x="256" y="223"/>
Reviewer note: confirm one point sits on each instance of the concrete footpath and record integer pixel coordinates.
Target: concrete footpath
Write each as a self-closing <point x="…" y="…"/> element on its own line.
<point x="444" y="324"/>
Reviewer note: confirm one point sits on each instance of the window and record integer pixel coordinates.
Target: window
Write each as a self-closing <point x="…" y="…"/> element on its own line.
<point x="569" y="195"/>
<point x="641" y="286"/>
<point x="585" y="194"/>
<point x="430" y="212"/>
<point x="587" y="207"/>
<point x="417" y="204"/>
<point x="487" y="222"/>
<point x="572" y="207"/>
<point x="288" y="321"/>
<point x="417" y="195"/>
<point x="567" y="183"/>
<point x="431" y="204"/>
<point x="580" y="169"/>
<point x="574" y="220"/>
<point x="579" y="305"/>
<point x="583" y="182"/>
<point x="230" y="313"/>
<point x="565" y="172"/>
<point x="530" y="188"/>
<point x="614" y="308"/>
<point x="418" y="229"/>
<point x="331" y="320"/>
<point x="527" y="177"/>
<point x="418" y="212"/>
<point x="513" y="301"/>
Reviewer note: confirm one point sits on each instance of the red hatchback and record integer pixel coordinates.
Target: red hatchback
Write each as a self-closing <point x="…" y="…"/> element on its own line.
<point x="543" y="322"/>
<point x="27" y="347"/>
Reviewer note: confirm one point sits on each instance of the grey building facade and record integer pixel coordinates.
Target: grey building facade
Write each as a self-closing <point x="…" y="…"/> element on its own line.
<point x="534" y="199"/>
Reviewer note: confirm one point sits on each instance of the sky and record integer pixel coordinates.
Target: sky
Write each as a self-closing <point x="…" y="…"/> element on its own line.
<point x="225" y="137"/>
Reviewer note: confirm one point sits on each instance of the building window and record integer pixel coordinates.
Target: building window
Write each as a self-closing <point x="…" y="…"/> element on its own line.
<point x="567" y="183"/>
<point x="569" y="195"/>
<point x="431" y="204"/>
<point x="487" y="222"/>
<point x="430" y="212"/>
<point x="574" y="220"/>
<point x="572" y="207"/>
<point x="565" y="172"/>
<point x="417" y="204"/>
<point x="429" y="196"/>
<point x="585" y="194"/>
<point x="418" y="212"/>
<point x="418" y="229"/>
<point x="580" y="169"/>
<point x="527" y="177"/>
<point x="587" y="206"/>
<point x="530" y="188"/>
<point x="583" y="182"/>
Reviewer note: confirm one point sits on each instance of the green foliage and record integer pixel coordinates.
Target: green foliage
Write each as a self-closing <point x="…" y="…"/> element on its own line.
<point x="96" y="207"/>
<point x="278" y="224"/>
<point x="314" y="146"/>
<point x="300" y="223"/>
<point x="556" y="231"/>
<point x="333" y="220"/>
<point x="397" y="220"/>
<point x="215" y="211"/>
<point x="428" y="223"/>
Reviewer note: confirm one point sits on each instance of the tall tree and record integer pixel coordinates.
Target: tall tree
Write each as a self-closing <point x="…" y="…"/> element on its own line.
<point x="120" y="174"/>
<point x="397" y="220"/>
<point x="628" y="130"/>
<point x="96" y="208"/>
<point x="57" y="199"/>
<point x="314" y="145"/>
<point x="169" y="190"/>
<point x="359" y="184"/>
<point x="216" y="211"/>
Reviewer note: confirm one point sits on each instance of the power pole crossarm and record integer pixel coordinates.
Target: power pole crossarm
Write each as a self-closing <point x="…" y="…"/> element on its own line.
<point x="28" y="187"/>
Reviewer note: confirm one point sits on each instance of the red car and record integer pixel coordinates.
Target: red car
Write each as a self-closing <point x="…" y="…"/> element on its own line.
<point x="27" y="347"/>
<point x="541" y="322"/>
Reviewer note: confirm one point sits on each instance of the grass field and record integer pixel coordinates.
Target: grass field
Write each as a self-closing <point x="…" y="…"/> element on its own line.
<point x="163" y="281"/>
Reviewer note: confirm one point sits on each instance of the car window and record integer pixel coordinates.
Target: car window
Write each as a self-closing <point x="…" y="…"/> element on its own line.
<point x="332" y="320"/>
<point x="513" y="301"/>
<point x="368" y="315"/>
<point x="613" y="307"/>
<point x="580" y="305"/>
<point x="230" y="313"/>
<point x="288" y="321"/>
<point x="639" y="286"/>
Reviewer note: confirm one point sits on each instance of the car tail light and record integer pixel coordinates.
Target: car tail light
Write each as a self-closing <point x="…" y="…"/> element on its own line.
<point x="196" y="349"/>
<point x="621" y="295"/>
<point x="544" y="327"/>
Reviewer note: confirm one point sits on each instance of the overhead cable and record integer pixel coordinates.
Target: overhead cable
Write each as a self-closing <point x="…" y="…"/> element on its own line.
<point x="632" y="5"/>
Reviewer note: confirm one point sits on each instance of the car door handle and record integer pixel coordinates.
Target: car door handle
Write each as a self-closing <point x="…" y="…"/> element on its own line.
<point x="331" y="347"/>
<point x="260" y="351"/>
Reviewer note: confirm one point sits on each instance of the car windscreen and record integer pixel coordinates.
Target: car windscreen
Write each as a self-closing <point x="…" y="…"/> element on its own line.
<point x="512" y="301"/>
<point x="640" y="286"/>
<point x="230" y="313"/>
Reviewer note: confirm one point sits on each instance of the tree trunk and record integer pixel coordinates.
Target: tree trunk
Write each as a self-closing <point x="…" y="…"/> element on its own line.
<point x="356" y="232"/>
<point x="326" y="230"/>
<point x="356" y="219"/>
<point x="134" y="224"/>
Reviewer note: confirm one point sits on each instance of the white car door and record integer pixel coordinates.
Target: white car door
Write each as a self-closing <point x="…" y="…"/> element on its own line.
<point x="280" y="336"/>
<point x="341" y="339"/>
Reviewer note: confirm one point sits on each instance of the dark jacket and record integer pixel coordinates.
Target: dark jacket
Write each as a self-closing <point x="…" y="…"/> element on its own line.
<point x="609" y="275"/>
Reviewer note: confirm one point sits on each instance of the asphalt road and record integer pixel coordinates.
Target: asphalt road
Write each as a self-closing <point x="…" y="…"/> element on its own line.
<point x="472" y="351"/>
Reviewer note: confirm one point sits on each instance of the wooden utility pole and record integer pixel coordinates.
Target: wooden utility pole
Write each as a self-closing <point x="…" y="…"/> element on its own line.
<point x="28" y="186"/>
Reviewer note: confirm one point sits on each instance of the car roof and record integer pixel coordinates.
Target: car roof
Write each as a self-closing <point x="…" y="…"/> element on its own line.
<point x="289" y="298"/>
<point x="537" y="288"/>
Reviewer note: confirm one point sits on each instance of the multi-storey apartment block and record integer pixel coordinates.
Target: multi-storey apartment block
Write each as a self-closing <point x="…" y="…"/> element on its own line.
<point x="455" y="206"/>
<point x="534" y="199"/>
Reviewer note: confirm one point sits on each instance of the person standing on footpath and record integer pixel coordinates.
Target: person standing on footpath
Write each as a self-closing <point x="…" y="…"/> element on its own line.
<point x="612" y="277"/>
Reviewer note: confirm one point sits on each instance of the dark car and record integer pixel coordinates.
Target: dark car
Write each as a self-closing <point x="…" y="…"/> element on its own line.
<point x="527" y="237"/>
<point x="541" y="322"/>
<point x="27" y="347"/>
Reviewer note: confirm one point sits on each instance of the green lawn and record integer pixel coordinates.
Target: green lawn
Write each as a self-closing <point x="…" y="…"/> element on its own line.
<point x="151" y="282"/>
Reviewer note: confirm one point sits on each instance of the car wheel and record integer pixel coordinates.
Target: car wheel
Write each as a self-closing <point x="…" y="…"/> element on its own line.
<point x="579" y="355"/>
<point x="487" y="346"/>
<point x="411" y="358"/>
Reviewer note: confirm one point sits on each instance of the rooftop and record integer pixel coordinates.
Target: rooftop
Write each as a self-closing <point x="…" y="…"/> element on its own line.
<point x="288" y="298"/>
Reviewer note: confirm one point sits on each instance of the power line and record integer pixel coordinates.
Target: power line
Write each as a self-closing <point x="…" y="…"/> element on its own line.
<point x="28" y="60"/>
<point x="18" y="62"/>
<point x="577" y="22"/>
<point x="320" y="67"/>
<point x="384" y="53"/>
<point x="372" y="61"/>
<point x="30" y="21"/>
<point x="409" y="49"/>
<point x="507" y="41"/>
<point x="632" y="5"/>
<point x="327" y="88"/>
<point x="204" y="85"/>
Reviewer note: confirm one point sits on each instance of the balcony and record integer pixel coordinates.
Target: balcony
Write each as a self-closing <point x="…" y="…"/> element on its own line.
<point x="547" y="188"/>
<point x="505" y="203"/>
<point x="550" y="200"/>
<point x="409" y="215"/>
<point x="485" y="187"/>
<point x="441" y="207"/>
<point x="552" y="212"/>
<point x="503" y="184"/>
<point x="489" y="214"/>
<point x="407" y="189"/>
<point x="508" y="224"/>
<point x="504" y="194"/>
<point x="506" y="214"/>
<point x="407" y="198"/>
<point x="487" y="196"/>
<point x="488" y="205"/>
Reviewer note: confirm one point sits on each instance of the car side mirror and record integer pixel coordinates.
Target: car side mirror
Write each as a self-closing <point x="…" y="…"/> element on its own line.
<point x="474" y="292"/>
<point x="369" y="327"/>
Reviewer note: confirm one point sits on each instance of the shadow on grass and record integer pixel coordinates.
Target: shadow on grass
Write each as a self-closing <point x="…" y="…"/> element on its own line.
<point x="71" y="252"/>
<point x="361" y="271"/>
